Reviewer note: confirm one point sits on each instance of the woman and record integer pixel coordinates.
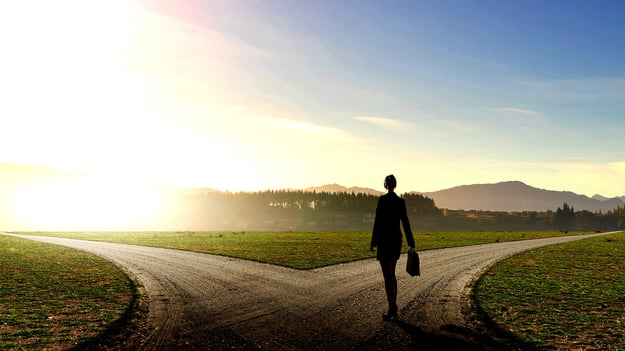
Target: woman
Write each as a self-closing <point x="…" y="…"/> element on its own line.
<point x="387" y="237"/>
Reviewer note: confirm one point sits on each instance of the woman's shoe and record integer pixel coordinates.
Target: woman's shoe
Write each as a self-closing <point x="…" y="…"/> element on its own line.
<point x="391" y="316"/>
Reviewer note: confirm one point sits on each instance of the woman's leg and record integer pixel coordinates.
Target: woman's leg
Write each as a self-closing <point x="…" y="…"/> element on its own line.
<point x="390" y="284"/>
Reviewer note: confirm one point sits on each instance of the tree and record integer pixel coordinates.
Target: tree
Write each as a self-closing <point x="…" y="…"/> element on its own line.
<point x="564" y="218"/>
<point x="585" y="219"/>
<point x="419" y="204"/>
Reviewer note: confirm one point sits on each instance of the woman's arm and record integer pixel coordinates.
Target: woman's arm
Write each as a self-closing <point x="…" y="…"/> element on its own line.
<point x="406" y="224"/>
<point x="375" y="234"/>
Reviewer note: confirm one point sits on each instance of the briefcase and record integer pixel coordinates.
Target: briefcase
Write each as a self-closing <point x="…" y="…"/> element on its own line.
<point x="412" y="267"/>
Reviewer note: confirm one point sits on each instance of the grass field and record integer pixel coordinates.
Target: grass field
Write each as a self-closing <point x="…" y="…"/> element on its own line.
<point x="53" y="298"/>
<point x="565" y="297"/>
<point x="301" y="250"/>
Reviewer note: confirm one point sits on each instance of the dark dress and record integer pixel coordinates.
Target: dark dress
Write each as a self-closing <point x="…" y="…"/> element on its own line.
<point x="387" y="236"/>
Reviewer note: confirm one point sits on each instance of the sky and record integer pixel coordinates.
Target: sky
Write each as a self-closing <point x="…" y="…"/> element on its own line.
<point x="246" y="95"/>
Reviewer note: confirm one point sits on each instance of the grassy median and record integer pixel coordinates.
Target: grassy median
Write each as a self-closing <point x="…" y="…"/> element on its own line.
<point x="564" y="297"/>
<point x="55" y="298"/>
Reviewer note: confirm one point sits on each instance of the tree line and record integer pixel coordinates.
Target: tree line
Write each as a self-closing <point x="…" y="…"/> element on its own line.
<point x="564" y="219"/>
<point x="325" y="211"/>
<point x="281" y="210"/>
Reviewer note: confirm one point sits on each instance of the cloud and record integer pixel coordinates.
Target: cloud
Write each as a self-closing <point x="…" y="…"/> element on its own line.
<point x="579" y="89"/>
<point x="306" y="127"/>
<point x="516" y="117"/>
<point x="516" y="110"/>
<point x="384" y="122"/>
<point x="618" y="167"/>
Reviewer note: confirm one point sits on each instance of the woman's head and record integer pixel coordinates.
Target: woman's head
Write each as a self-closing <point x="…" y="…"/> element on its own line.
<point x="390" y="182"/>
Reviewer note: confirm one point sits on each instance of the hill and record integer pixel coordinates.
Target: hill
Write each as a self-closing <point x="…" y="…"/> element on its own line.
<point x="515" y="196"/>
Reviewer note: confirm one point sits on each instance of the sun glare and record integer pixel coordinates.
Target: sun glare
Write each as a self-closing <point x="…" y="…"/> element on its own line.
<point x="85" y="204"/>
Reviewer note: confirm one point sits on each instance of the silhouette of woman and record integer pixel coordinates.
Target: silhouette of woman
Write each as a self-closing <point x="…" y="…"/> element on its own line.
<point x="387" y="237"/>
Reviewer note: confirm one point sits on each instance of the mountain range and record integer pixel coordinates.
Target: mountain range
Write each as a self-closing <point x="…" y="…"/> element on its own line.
<point x="516" y="196"/>
<point x="510" y="196"/>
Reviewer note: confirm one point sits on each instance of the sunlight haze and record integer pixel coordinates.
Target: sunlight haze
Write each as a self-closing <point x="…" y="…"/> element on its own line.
<point x="85" y="205"/>
<point x="254" y="95"/>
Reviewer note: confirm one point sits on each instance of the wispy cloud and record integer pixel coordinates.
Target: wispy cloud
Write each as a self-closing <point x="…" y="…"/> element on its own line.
<point x="306" y="127"/>
<point x="516" y="110"/>
<point x="579" y="89"/>
<point x="618" y="167"/>
<point x="384" y="122"/>
<point x="304" y="131"/>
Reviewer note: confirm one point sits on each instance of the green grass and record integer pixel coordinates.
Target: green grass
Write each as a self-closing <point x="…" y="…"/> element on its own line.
<point x="52" y="298"/>
<point x="300" y="250"/>
<point x="565" y="297"/>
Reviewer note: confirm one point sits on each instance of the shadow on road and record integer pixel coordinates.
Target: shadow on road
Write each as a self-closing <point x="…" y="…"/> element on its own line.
<point x="403" y="335"/>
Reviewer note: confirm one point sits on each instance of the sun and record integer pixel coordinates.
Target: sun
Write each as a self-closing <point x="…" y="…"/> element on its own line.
<point x="87" y="204"/>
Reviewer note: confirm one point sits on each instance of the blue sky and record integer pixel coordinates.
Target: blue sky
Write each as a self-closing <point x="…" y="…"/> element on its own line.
<point x="251" y="95"/>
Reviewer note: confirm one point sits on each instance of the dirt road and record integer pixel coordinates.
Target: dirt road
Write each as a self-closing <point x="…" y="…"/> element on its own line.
<point x="207" y="302"/>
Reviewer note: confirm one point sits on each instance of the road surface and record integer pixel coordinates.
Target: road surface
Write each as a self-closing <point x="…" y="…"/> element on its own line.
<point x="200" y="301"/>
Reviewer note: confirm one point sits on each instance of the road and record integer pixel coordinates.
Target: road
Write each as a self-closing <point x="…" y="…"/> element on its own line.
<point x="200" y="301"/>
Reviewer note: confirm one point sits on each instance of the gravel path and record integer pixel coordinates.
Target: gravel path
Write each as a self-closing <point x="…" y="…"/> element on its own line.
<point x="207" y="302"/>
